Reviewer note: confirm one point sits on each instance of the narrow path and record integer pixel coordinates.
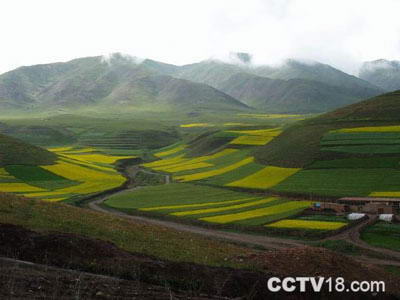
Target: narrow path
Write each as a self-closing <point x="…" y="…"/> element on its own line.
<point x="353" y="236"/>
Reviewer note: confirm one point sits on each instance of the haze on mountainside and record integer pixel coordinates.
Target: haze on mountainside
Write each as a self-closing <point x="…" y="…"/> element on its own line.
<point x="121" y="82"/>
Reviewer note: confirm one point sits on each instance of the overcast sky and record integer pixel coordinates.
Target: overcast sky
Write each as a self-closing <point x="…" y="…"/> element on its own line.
<point x="338" y="32"/>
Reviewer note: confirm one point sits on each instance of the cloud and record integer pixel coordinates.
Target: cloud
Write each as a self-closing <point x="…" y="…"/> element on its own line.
<point x="338" y="32"/>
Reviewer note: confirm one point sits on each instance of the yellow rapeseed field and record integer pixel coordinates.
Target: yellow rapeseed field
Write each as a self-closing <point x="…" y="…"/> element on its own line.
<point x="185" y="167"/>
<point x="385" y="194"/>
<point x="96" y="158"/>
<point x="60" y="149"/>
<point x="265" y="178"/>
<point x="256" y="140"/>
<point x="196" y="125"/>
<point x="262" y="132"/>
<point x="165" y="162"/>
<point x="394" y="128"/>
<point x="18" y="187"/>
<point x="195" y="205"/>
<point x="179" y="163"/>
<point x="92" y="180"/>
<point x="171" y="151"/>
<point x="260" y="212"/>
<point x="225" y="208"/>
<point x="219" y="171"/>
<point x="270" y="116"/>
<point x="306" y="224"/>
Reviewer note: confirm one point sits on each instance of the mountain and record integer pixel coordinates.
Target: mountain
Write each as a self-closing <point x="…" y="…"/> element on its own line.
<point x="299" y="86"/>
<point x="14" y="151"/>
<point x="306" y="135"/>
<point x="116" y="80"/>
<point x="382" y="73"/>
<point x="286" y="96"/>
<point x="163" y="90"/>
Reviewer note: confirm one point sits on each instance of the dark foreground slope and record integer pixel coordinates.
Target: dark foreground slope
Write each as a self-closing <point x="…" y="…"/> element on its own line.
<point x="14" y="151"/>
<point x="299" y="145"/>
<point x="102" y="244"/>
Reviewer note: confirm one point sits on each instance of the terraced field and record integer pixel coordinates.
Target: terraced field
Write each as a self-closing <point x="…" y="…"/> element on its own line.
<point x="371" y="166"/>
<point x="77" y="172"/>
<point x="219" y="206"/>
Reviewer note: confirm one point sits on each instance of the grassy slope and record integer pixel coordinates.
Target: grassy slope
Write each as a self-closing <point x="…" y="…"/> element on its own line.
<point x="13" y="151"/>
<point x="130" y="236"/>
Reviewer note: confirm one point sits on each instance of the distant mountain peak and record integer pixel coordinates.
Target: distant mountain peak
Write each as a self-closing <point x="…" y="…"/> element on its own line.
<point x="382" y="72"/>
<point x="241" y="57"/>
<point x="118" y="58"/>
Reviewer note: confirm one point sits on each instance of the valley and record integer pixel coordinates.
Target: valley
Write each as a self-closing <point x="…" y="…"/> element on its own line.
<point x="193" y="168"/>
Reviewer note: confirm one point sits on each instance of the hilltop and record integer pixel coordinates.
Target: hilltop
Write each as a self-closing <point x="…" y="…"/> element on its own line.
<point x="383" y="73"/>
<point x="14" y="151"/>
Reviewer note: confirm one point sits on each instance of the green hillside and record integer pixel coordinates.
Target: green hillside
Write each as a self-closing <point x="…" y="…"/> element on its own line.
<point x="292" y="87"/>
<point x="287" y="96"/>
<point x="300" y="144"/>
<point x="116" y="82"/>
<point x="16" y="152"/>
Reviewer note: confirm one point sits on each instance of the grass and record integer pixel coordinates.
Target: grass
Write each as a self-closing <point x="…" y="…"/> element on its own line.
<point x="307" y="224"/>
<point x="340" y="246"/>
<point x="134" y="237"/>
<point x="365" y="149"/>
<point x="358" y="163"/>
<point x="383" y="234"/>
<point x="395" y="128"/>
<point x="265" y="178"/>
<point x="328" y="218"/>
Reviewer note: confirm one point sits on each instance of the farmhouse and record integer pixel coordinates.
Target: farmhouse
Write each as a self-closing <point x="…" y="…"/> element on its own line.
<point x="363" y="204"/>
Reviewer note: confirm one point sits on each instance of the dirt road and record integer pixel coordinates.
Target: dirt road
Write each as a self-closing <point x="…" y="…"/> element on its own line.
<point x="351" y="235"/>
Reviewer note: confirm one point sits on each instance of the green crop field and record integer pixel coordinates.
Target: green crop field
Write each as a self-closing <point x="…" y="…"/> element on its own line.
<point x="39" y="177"/>
<point x="205" y="203"/>
<point x="383" y="234"/>
<point x="341" y="182"/>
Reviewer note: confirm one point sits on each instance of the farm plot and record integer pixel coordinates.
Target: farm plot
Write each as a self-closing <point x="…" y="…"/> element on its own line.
<point x="220" y="206"/>
<point x="364" y="140"/>
<point x="260" y="215"/>
<point x="341" y="182"/>
<point x="211" y="173"/>
<point x="307" y="224"/>
<point x="180" y="163"/>
<point x="79" y="171"/>
<point x="265" y="178"/>
<point x="174" y="196"/>
<point x="257" y="137"/>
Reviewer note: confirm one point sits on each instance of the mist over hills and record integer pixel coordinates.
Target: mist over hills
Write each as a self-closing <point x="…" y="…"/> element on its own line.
<point x="382" y="73"/>
<point x="125" y="81"/>
<point x="119" y="80"/>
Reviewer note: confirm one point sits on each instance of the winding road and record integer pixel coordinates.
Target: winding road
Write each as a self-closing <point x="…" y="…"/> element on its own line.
<point x="351" y="235"/>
